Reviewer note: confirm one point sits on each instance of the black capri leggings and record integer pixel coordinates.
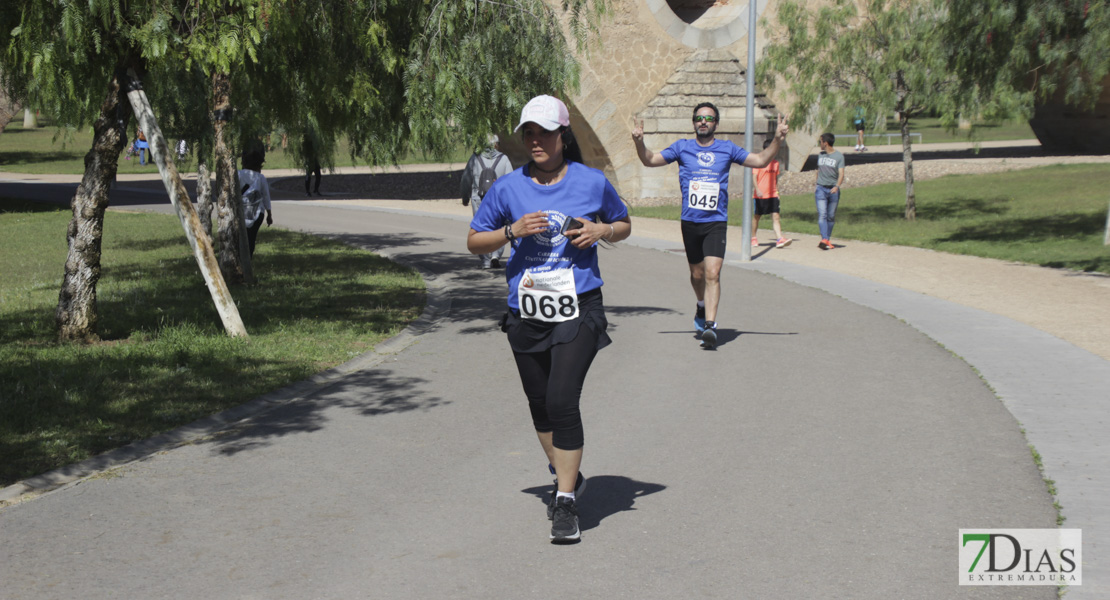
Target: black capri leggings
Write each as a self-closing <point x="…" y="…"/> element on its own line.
<point x="553" y="380"/>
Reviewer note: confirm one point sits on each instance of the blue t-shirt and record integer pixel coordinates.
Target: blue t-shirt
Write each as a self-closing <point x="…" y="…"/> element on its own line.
<point x="583" y="192"/>
<point x="703" y="177"/>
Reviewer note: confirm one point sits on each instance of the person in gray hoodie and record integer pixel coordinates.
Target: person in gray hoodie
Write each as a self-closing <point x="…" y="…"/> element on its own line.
<point x="481" y="170"/>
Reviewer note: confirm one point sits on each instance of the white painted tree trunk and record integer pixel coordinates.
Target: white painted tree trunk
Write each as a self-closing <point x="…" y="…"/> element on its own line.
<point x="190" y="221"/>
<point x="1106" y="238"/>
<point x="29" y="119"/>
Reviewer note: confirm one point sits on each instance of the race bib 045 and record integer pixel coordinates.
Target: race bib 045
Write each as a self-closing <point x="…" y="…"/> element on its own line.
<point x="704" y="195"/>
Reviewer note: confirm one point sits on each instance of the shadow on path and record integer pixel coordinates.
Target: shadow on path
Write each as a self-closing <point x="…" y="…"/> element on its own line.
<point x="364" y="393"/>
<point x="606" y="495"/>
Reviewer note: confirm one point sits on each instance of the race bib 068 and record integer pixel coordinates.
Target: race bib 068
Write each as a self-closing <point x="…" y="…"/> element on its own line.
<point x="549" y="296"/>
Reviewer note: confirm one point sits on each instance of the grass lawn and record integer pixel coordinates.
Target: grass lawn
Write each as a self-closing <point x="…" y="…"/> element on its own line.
<point x="1051" y="216"/>
<point x="164" y="360"/>
<point x="48" y="150"/>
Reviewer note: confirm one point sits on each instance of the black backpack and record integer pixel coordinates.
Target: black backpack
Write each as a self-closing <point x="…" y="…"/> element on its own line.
<point x="488" y="175"/>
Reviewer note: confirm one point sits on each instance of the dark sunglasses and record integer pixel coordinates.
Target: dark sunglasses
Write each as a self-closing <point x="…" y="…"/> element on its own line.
<point x="705" y="119"/>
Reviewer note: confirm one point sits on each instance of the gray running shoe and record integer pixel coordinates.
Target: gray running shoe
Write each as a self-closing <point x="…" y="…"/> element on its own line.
<point x="579" y="489"/>
<point x="709" y="336"/>
<point x="564" y="525"/>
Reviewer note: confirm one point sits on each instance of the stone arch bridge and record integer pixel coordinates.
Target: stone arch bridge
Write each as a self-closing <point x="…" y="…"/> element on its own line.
<point x="656" y="61"/>
<point x="660" y="58"/>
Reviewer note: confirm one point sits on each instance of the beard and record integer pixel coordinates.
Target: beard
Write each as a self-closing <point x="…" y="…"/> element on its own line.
<point x="704" y="136"/>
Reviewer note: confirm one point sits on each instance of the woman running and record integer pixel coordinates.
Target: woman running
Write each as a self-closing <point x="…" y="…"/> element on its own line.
<point x="553" y="210"/>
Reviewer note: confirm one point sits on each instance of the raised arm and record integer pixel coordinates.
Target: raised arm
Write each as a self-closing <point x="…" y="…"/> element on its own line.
<point x="764" y="158"/>
<point x="649" y="158"/>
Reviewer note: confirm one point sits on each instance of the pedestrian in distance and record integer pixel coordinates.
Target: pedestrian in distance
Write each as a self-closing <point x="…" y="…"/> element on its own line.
<point x="141" y="145"/>
<point x="554" y="210"/>
<point x="830" y="176"/>
<point x="703" y="169"/>
<point x="860" y="123"/>
<point x="766" y="198"/>
<point x="483" y="168"/>
<point x="255" y="193"/>
<point x="310" y="153"/>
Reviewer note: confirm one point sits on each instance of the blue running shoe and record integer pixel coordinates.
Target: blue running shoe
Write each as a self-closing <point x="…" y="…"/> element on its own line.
<point x="699" y="319"/>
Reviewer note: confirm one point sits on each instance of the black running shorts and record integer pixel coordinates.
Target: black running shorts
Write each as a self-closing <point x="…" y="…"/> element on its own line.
<point x="703" y="239"/>
<point x="766" y="206"/>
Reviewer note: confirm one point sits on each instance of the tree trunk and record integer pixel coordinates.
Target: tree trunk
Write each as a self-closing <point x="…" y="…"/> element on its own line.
<point x="8" y="109"/>
<point x="29" y="119"/>
<point x="199" y="242"/>
<point x="907" y="161"/>
<point x="76" y="315"/>
<point x="1106" y="237"/>
<point x="204" y="198"/>
<point x="229" y="205"/>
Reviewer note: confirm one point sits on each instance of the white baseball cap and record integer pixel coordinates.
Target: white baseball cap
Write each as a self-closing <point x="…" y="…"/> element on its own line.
<point x="548" y="112"/>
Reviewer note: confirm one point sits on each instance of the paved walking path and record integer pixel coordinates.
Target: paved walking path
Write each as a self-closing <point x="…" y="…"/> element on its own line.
<point x="825" y="450"/>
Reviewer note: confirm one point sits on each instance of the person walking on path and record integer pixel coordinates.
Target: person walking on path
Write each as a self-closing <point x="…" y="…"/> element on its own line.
<point x="704" y="164"/>
<point x="255" y="191"/>
<point x="310" y="153"/>
<point x="554" y="210"/>
<point x="830" y="176"/>
<point x="860" y="123"/>
<point x="141" y="145"/>
<point x="481" y="171"/>
<point x="767" y="200"/>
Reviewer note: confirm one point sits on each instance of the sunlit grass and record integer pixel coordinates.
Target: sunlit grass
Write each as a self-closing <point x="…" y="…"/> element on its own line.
<point x="1053" y="216"/>
<point x="165" y="359"/>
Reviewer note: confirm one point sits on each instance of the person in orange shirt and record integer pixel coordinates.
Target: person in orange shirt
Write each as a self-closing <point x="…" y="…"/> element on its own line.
<point x="767" y="200"/>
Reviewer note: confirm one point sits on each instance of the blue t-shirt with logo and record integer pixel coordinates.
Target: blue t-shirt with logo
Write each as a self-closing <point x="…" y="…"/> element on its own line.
<point x="583" y="192"/>
<point x="703" y="177"/>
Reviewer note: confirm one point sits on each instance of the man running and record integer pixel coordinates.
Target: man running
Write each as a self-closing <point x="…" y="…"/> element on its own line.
<point x="703" y="168"/>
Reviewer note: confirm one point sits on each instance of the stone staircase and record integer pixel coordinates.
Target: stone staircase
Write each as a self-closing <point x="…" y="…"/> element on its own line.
<point x="706" y="76"/>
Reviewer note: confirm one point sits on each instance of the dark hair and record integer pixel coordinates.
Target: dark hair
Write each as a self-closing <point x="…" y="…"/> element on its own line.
<point x="253" y="159"/>
<point x="571" y="151"/>
<point x="716" y="113"/>
<point x="828" y="138"/>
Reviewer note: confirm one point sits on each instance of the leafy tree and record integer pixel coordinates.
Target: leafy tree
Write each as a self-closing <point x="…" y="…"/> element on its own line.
<point x="835" y="59"/>
<point x="66" y="64"/>
<point x="61" y="51"/>
<point x="389" y="74"/>
<point x="1038" y="48"/>
<point x="475" y="65"/>
<point x="9" y="107"/>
